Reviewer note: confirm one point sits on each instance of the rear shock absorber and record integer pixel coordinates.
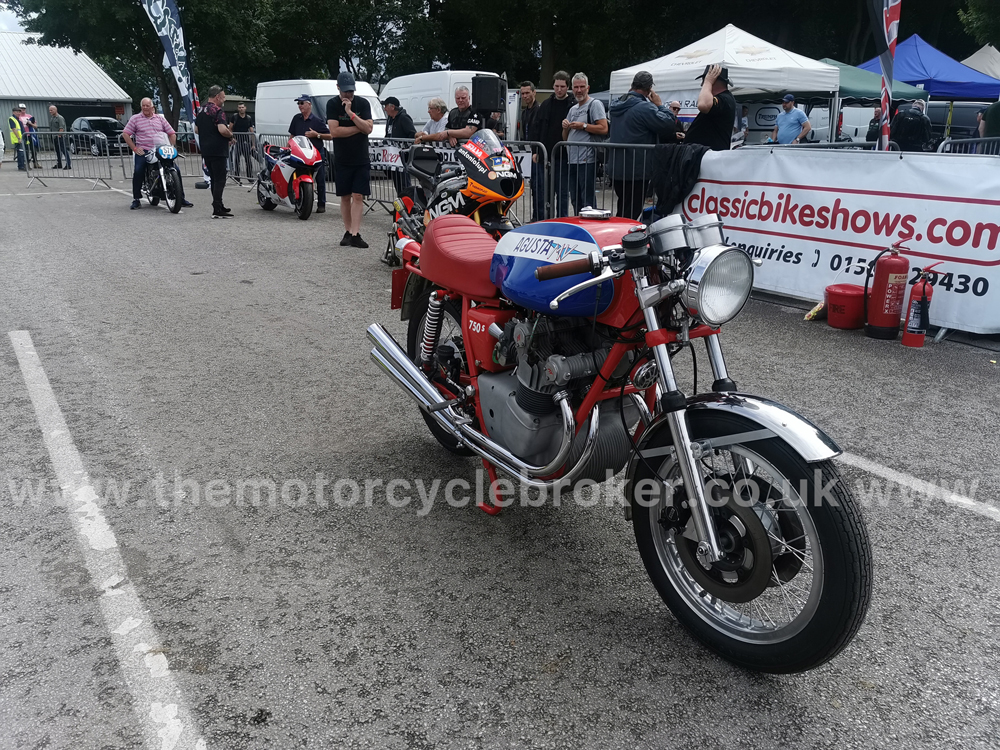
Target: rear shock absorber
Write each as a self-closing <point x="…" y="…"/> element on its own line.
<point x="432" y="327"/>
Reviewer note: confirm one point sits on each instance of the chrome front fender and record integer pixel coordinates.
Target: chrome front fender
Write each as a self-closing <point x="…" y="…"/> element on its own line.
<point x="773" y="420"/>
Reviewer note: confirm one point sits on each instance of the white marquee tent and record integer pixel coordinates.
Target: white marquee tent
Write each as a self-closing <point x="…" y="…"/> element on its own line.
<point x="986" y="60"/>
<point x="755" y="67"/>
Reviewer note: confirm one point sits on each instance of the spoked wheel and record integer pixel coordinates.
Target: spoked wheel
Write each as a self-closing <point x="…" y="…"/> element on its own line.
<point x="262" y="198"/>
<point x="794" y="584"/>
<point x="304" y="205"/>
<point x="172" y="190"/>
<point x="153" y="200"/>
<point x="450" y="337"/>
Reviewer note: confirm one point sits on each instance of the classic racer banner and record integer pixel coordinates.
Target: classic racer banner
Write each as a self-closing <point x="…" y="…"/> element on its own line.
<point x="818" y="217"/>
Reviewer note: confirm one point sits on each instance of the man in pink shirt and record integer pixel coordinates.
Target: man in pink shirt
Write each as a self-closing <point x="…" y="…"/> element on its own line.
<point x="140" y="135"/>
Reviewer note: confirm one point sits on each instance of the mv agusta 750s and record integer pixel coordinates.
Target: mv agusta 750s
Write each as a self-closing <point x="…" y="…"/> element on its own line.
<point x="483" y="186"/>
<point x="548" y="355"/>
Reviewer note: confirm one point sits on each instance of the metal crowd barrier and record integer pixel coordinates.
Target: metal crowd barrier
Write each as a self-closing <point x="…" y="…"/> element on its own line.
<point x="390" y="178"/>
<point x="85" y="156"/>
<point x="610" y="176"/>
<point x="981" y="146"/>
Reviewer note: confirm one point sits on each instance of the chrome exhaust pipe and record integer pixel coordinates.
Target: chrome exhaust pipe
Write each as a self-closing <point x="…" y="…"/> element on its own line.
<point x="391" y="358"/>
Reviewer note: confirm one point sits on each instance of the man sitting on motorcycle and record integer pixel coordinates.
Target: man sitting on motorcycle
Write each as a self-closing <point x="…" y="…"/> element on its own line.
<point x="139" y="134"/>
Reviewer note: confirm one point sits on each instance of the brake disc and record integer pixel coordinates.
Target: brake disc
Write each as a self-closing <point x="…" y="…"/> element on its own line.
<point x="744" y="571"/>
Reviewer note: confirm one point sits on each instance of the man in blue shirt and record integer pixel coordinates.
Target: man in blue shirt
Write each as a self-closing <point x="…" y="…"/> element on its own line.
<point x="792" y="124"/>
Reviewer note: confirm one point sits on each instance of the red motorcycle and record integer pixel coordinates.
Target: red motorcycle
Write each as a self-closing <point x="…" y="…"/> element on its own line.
<point x="287" y="176"/>
<point x="549" y="354"/>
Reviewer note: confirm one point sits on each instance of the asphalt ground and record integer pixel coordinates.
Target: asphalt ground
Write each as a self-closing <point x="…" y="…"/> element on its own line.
<point x="223" y="351"/>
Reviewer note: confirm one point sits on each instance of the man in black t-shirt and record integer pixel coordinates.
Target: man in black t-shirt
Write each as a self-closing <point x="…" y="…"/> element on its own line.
<point x="214" y="137"/>
<point x="713" y="127"/>
<point x="547" y="128"/>
<point x="462" y="124"/>
<point x="350" y="120"/>
<point x="243" y="148"/>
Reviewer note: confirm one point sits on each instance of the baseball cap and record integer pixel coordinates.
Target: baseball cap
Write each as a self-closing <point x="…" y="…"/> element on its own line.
<point x="788" y="98"/>
<point x="303" y="98"/>
<point x="723" y="75"/>
<point x="345" y="81"/>
<point x="391" y="100"/>
<point x="22" y="106"/>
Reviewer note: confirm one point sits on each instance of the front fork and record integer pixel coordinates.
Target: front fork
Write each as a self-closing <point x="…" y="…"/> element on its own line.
<point x="673" y="404"/>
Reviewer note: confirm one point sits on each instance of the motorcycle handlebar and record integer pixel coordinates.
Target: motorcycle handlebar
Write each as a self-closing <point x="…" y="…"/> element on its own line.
<point x="567" y="268"/>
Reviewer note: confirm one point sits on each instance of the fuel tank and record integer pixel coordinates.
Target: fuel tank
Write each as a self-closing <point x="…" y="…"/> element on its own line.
<point x="542" y="243"/>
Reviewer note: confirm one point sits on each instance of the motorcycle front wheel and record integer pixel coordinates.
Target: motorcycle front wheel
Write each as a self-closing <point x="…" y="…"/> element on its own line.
<point x="172" y="190"/>
<point x="451" y="335"/>
<point x="304" y="205"/>
<point x="795" y="581"/>
<point x="262" y="198"/>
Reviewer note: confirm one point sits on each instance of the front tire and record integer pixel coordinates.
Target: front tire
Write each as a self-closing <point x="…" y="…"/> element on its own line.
<point x="451" y="334"/>
<point x="95" y="148"/>
<point x="796" y="583"/>
<point x="304" y="205"/>
<point x="262" y="198"/>
<point x="172" y="190"/>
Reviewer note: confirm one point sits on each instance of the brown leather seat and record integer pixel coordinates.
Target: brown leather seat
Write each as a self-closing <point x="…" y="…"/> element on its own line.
<point x="456" y="254"/>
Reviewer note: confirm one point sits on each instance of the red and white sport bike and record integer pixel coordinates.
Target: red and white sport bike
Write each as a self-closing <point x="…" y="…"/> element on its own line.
<point x="287" y="176"/>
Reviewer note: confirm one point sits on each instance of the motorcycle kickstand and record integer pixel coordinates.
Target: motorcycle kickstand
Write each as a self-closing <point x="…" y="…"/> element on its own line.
<point x="489" y="506"/>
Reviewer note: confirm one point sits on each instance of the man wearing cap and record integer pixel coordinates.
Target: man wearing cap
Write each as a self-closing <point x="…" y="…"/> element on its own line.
<point x="29" y="136"/>
<point x="792" y="124"/>
<point x="638" y="117"/>
<point x="17" y="136"/>
<point x="350" y="121"/>
<point x="309" y="124"/>
<point x="713" y="127"/>
<point x="398" y="124"/>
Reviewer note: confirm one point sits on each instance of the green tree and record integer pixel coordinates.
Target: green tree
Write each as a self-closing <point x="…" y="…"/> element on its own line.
<point x="982" y="21"/>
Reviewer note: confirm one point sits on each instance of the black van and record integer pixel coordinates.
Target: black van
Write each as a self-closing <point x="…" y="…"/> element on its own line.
<point x="964" y="123"/>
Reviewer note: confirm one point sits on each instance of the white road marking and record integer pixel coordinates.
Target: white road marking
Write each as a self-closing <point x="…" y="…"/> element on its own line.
<point x="165" y="719"/>
<point x="919" y="485"/>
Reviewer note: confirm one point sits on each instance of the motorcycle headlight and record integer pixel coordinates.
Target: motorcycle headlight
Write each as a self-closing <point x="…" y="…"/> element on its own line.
<point x="719" y="281"/>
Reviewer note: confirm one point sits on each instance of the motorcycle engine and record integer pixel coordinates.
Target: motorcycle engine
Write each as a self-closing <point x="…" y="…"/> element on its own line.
<point x="553" y="355"/>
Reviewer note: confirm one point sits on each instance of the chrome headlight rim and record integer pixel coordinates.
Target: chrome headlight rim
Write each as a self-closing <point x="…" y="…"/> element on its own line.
<point x="703" y="260"/>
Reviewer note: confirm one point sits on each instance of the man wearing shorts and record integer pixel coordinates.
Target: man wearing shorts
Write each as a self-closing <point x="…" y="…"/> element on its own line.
<point x="350" y="120"/>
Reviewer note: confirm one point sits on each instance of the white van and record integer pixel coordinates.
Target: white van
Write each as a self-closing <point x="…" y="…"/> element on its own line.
<point x="414" y="91"/>
<point x="275" y="105"/>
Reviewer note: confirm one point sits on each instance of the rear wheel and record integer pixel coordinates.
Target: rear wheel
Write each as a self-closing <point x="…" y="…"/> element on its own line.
<point x="304" y="205"/>
<point x="172" y="190"/>
<point x="450" y="336"/>
<point x="262" y="198"/>
<point x="795" y="582"/>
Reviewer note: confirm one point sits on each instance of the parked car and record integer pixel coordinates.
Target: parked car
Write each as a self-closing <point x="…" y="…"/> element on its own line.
<point x="86" y="136"/>
<point x="963" y="121"/>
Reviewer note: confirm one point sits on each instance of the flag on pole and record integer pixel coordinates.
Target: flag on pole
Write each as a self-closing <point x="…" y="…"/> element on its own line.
<point x="167" y="23"/>
<point x="884" y="16"/>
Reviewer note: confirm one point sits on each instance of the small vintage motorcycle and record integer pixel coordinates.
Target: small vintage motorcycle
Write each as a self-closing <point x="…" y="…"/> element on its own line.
<point x="483" y="186"/>
<point x="287" y="176"/>
<point x="162" y="180"/>
<point x="548" y="355"/>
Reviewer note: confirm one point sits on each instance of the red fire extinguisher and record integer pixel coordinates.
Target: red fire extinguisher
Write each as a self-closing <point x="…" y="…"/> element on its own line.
<point x="919" y="309"/>
<point x="883" y="311"/>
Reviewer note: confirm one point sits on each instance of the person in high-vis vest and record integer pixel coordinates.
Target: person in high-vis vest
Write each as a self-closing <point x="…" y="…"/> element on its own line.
<point x="17" y="137"/>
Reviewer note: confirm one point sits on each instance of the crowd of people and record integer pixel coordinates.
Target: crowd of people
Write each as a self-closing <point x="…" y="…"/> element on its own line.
<point x="570" y="114"/>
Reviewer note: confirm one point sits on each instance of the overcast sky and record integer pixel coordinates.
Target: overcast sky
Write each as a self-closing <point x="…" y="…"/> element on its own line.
<point x="8" y="21"/>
